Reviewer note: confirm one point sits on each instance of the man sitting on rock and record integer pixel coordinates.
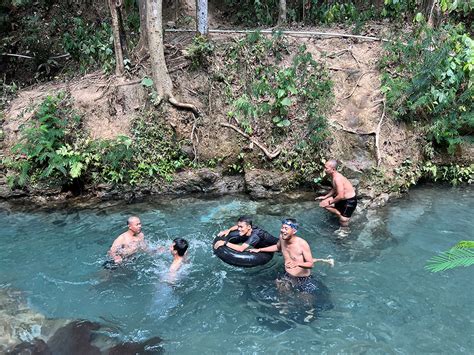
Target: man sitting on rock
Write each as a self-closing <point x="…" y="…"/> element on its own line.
<point x="247" y="234"/>
<point x="341" y="199"/>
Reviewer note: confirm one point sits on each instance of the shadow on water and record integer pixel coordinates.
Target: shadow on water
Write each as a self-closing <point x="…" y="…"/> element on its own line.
<point x="281" y="307"/>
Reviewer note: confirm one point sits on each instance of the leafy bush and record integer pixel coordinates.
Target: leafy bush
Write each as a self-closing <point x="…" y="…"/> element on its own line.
<point x="430" y="79"/>
<point x="38" y="152"/>
<point x="157" y="151"/>
<point x="199" y="51"/>
<point x="90" y="45"/>
<point x="279" y="95"/>
<point x="54" y="149"/>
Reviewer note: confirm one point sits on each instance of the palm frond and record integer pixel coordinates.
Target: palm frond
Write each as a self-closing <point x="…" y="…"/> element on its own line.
<point x="465" y="244"/>
<point x="450" y="259"/>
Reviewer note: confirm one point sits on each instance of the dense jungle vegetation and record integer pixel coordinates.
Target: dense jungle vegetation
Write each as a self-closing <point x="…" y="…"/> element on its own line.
<point x="427" y="79"/>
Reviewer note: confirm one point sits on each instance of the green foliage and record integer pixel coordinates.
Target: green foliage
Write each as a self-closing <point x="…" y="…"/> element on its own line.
<point x="44" y="147"/>
<point x="409" y="173"/>
<point x="460" y="255"/>
<point x="53" y="149"/>
<point x="265" y="12"/>
<point x="199" y="51"/>
<point x="454" y="174"/>
<point x="7" y="91"/>
<point x="149" y="86"/>
<point x="280" y="95"/>
<point x="399" y="8"/>
<point x="465" y="244"/>
<point x="430" y="79"/>
<point x="157" y="151"/>
<point x="90" y="45"/>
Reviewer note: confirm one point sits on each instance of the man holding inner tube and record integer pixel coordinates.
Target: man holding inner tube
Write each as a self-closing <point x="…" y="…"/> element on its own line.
<point x="297" y="255"/>
<point x="250" y="236"/>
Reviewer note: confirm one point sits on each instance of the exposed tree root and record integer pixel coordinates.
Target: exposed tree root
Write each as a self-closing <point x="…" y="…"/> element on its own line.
<point x="357" y="84"/>
<point x="342" y="51"/>
<point x="172" y="100"/>
<point x="377" y="134"/>
<point x="192" y="138"/>
<point x="269" y="155"/>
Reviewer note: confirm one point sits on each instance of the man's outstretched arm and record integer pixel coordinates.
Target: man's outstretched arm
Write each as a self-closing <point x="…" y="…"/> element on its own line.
<point x="270" y="249"/>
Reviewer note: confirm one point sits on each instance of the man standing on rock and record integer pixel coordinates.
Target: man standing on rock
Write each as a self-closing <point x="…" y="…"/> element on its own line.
<point x="341" y="199"/>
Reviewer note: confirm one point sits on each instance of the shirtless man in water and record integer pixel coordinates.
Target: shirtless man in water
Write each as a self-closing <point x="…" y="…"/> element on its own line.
<point x="297" y="256"/>
<point x="129" y="242"/>
<point x="341" y="199"/>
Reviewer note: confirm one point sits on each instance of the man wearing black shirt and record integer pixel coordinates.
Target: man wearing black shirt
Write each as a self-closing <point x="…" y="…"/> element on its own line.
<point x="248" y="235"/>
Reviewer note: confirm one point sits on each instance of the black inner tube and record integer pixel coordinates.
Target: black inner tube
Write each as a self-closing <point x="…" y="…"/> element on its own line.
<point x="242" y="259"/>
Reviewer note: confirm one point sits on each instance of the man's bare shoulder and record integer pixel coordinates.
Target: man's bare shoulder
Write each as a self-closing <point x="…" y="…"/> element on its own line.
<point x="302" y="242"/>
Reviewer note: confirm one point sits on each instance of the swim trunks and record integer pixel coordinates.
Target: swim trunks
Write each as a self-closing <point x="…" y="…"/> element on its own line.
<point x="303" y="284"/>
<point x="346" y="207"/>
<point x="110" y="264"/>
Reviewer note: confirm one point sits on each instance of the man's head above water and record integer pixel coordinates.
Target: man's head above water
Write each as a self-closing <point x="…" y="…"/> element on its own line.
<point x="244" y="225"/>
<point x="289" y="227"/>
<point x="134" y="225"/>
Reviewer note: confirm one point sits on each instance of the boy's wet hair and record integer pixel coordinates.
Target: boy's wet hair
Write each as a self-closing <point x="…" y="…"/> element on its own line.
<point x="245" y="219"/>
<point x="180" y="245"/>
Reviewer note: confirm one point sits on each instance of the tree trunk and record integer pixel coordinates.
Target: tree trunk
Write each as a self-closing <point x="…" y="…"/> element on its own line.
<point x="201" y="16"/>
<point x="143" y="42"/>
<point x="282" y="12"/>
<point x="161" y="77"/>
<point x="119" y="66"/>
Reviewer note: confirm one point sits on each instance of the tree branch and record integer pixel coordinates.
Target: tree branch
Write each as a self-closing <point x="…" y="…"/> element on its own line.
<point x="269" y="155"/>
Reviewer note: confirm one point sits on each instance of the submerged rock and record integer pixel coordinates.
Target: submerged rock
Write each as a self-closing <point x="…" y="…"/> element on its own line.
<point x="74" y="338"/>
<point x="36" y="347"/>
<point x="18" y="323"/>
<point x="131" y="348"/>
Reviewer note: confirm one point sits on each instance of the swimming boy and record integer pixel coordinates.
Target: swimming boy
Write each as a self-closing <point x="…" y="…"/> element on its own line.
<point x="178" y="249"/>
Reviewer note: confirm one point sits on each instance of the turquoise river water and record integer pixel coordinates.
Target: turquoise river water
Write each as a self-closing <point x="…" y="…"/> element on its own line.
<point x="382" y="299"/>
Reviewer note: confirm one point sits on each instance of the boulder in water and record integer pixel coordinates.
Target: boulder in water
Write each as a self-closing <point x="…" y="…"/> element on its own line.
<point x="74" y="339"/>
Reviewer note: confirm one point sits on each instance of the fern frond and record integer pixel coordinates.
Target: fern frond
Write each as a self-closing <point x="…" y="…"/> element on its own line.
<point x="450" y="259"/>
<point x="465" y="244"/>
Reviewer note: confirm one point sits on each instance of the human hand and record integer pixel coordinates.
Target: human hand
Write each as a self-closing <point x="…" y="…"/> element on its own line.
<point x="319" y="198"/>
<point x="223" y="233"/>
<point x="254" y="250"/>
<point x="219" y="243"/>
<point x="291" y="264"/>
<point x="326" y="202"/>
